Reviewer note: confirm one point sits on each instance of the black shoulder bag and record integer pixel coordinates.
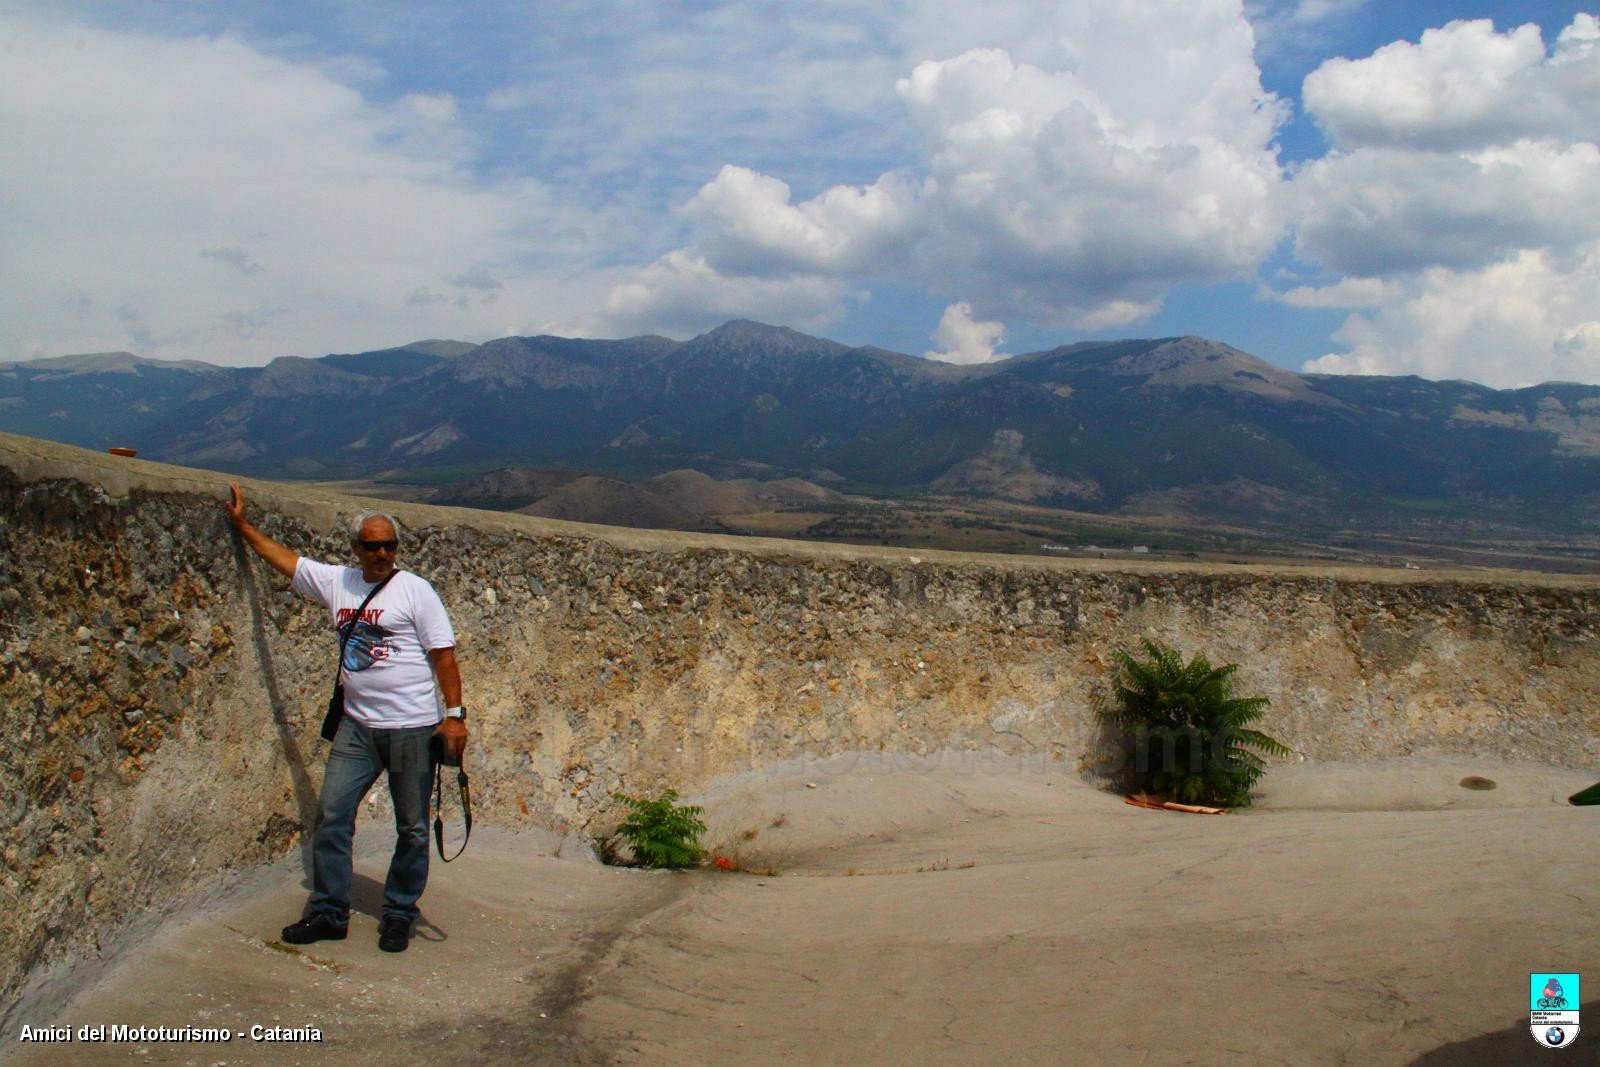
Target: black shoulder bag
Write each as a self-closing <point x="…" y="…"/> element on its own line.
<point x="330" y="721"/>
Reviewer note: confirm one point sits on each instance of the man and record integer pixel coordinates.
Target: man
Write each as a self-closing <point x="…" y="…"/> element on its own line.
<point x="395" y="653"/>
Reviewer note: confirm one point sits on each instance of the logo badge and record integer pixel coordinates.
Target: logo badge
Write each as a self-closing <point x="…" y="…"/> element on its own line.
<point x="1553" y="1008"/>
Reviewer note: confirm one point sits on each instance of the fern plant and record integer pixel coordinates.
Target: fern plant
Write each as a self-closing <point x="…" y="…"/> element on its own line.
<point x="1186" y="733"/>
<point x="662" y="832"/>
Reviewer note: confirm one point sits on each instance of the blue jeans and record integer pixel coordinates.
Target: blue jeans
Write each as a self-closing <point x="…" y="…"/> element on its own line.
<point x="359" y="755"/>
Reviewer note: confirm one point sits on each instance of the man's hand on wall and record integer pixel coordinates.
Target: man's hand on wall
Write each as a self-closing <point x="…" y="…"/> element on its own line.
<point x="281" y="559"/>
<point x="235" y="507"/>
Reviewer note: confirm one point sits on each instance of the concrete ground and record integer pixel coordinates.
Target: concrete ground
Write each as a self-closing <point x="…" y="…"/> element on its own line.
<point x="954" y="910"/>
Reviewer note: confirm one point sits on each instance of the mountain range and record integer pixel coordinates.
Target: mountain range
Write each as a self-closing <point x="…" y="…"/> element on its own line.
<point x="1169" y="426"/>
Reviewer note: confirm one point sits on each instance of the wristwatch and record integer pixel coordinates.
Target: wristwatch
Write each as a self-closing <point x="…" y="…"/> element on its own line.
<point x="456" y="713"/>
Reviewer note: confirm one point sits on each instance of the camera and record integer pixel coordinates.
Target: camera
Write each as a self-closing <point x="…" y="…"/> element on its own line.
<point x="440" y="755"/>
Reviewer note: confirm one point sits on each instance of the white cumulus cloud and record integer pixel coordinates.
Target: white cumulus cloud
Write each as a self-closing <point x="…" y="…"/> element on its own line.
<point x="1528" y="319"/>
<point x="1347" y="293"/>
<point x="962" y="340"/>
<point x="1463" y="194"/>
<point x="1381" y="210"/>
<point x="1463" y="86"/>
<point x="1129" y="152"/>
<point x="681" y="294"/>
<point x="751" y="227"/>
<point x="319" y="215"/>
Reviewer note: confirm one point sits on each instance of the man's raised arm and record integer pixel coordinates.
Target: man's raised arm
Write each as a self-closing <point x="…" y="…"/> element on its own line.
<point x="281" y="559"/>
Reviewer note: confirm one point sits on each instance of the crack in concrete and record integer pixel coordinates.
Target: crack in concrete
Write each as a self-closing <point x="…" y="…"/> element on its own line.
<point x="316" y="963"/>
<point x="549" y="1028"/>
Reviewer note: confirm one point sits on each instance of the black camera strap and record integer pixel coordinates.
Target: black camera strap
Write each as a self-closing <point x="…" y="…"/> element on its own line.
<point x="438" y="809"/>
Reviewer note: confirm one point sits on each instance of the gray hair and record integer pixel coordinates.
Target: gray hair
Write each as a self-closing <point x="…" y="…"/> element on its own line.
<point x="361" y="518"/>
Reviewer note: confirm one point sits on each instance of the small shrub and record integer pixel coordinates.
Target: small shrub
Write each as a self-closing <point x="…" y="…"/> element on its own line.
<point x="1186" y="733"/>
<point x="662" y="832"/>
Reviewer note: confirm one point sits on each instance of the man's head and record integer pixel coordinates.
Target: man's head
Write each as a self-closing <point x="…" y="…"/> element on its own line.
<point x="376" y="538"/>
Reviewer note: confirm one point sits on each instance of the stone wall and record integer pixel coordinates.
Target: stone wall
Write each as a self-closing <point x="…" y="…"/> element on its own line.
<point x="162" y="691"/>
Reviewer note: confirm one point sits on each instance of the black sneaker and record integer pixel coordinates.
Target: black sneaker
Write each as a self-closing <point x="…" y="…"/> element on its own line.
<point x="315" y="927"/>
<point x="394" y="933"/>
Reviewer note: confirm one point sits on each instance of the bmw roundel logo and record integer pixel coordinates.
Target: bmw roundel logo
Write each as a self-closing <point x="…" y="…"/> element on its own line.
<point x="1555" y="1035"/>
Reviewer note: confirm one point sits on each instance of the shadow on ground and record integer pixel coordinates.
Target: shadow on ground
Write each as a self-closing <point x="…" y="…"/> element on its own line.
<point x="1514" y="1044"/>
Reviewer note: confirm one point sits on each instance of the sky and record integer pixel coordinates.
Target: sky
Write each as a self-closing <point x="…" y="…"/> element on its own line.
<point x="1337" y="186"/>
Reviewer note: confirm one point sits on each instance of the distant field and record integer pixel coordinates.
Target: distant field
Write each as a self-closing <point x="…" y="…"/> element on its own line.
<point x="774" y="523"/>
<point x="996" y="526"/>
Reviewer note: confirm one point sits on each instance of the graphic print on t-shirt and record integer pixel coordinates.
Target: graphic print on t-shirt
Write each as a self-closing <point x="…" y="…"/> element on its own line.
<point x="368" y="642"/>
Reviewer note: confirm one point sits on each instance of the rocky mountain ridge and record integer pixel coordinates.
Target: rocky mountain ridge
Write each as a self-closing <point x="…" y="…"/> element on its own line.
<point x="1135" y="424"/>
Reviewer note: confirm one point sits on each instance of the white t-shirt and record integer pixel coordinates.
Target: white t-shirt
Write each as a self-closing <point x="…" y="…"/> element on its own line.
<point x="388" y="681"/>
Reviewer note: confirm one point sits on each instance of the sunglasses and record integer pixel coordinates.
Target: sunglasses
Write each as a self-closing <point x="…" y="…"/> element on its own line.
<point x="373" y="546"/>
